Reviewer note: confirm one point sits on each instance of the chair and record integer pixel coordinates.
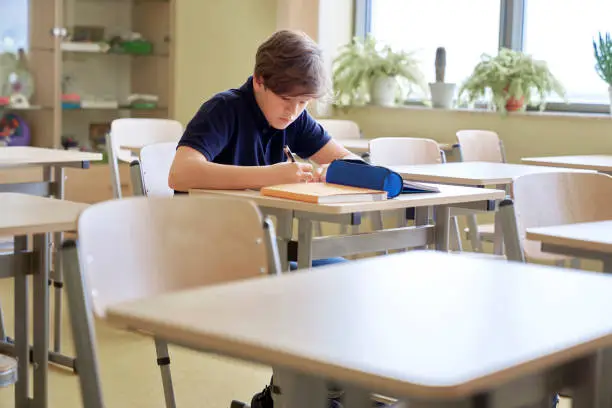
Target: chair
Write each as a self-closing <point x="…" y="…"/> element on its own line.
<point x="556" y="198"/>
<point x="143" y="246"/>
<point x="403" y="151"/>
<point x="8" y="371"/>
<point x="134" y="133"/>
<point x="480" y="145"/>
<point x="150" y="172"/>
<point x="341" y="129"/>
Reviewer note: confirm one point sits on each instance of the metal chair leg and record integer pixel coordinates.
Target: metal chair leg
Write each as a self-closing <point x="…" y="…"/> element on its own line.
<point x="474" y="235"/>
<point x="163" y="360"/>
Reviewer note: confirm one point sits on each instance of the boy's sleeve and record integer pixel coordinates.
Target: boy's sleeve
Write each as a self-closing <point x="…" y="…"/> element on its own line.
<point x="209" y="131"/>
<point x="310" y="136"/>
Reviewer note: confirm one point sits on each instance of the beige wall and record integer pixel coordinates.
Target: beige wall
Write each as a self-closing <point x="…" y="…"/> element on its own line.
<point x="215" y="47"/>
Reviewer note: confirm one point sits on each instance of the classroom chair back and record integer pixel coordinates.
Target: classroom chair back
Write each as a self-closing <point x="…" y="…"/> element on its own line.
<point x="403" y="151"/>
<point x="143" y="246"/>
<point x="556" y="198"/>
<point x="135" y="133"/>
<point x="341" y="129"/>
<point x="150" y="173"/>
<point x="480" y="145"/>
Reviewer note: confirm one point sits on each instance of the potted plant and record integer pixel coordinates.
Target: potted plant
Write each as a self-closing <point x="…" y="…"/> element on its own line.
<point x="603" y="58"/>
<point x="511" y="77"/>
<point x="441" y="92"/>
<point x="364" y="71"/>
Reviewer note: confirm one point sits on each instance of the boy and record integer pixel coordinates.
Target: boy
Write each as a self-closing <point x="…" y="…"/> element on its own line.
<point x="236" y="139"/>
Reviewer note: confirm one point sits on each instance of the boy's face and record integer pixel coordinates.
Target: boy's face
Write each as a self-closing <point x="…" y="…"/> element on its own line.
<point x="280" y="111"/>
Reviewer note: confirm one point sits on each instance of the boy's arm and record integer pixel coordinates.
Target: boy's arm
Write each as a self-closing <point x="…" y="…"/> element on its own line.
<point x="191" y="170"/>
<point x="331" y="151"/>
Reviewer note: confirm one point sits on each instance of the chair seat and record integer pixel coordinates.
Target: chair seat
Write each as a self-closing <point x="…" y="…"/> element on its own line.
<point x="8" y="371"/>
<point x="486" y="232"/>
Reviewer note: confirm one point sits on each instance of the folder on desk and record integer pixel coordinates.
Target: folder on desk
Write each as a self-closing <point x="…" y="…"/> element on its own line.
<point x="323" y="193"/>
<point x="357" y="173"/>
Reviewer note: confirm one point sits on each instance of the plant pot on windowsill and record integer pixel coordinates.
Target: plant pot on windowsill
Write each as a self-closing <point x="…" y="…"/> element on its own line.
<point x="384" y="90"/>
<point x="442" y="94"/>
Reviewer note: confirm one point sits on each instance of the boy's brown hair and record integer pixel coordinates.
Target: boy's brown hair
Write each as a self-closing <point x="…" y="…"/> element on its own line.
<point x="291" y="64"/>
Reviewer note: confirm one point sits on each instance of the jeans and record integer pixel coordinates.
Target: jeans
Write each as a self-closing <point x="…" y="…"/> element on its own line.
<point x="318" y="262"/>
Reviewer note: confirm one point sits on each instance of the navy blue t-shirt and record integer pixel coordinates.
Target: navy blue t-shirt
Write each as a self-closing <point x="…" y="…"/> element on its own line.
<point x="230" y="128"/>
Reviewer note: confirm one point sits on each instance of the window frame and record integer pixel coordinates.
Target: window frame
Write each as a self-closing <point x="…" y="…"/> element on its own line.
<point x="512" y="18"/>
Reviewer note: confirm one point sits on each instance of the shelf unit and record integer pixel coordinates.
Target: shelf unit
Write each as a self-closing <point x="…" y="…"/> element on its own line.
<point x="96" y="74"/>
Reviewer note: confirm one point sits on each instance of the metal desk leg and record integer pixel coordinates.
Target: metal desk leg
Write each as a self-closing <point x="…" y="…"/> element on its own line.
<point x="41" y="321"/>
<point x="58" y="192"/>
<point x="284" y="233"/>
<point x="498" y="233"/>
<point x="299" y="390"/>
<point x="442" y="217"/>
<point x="22" y="349"/>
<point x="304" y="243"/>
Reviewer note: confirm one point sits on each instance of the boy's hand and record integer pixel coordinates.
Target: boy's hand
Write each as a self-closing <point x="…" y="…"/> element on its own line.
<point x="289" y="172"/>
<point x="319" y="174"/>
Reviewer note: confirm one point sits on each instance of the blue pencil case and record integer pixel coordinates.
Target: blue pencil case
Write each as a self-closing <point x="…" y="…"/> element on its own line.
<point x="357" y="173"/>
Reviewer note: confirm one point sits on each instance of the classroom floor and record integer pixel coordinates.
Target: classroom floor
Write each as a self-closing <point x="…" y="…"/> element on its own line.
<point x="130" y="376"/>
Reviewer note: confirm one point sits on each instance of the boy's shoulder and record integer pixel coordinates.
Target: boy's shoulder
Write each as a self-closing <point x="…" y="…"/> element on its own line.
<point x="227" y="100"/>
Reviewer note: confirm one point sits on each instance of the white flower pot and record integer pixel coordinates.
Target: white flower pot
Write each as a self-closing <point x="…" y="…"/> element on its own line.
<point x="610" y="92"/>
<point x="442" y="94"/>
<point x="384" y="90"/>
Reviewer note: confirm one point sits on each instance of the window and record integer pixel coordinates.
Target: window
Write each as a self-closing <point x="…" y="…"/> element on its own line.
<point x="553" y="32"/>
<point x="558" y="32"/>
<point x="13" y="25"/>
<point x="422" y="26"/>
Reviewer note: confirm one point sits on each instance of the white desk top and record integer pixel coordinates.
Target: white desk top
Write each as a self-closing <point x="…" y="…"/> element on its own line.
<point x="421" y="324"/>
<point x="447" y="195"/>
<point x="26" y="155"/>
<point x="471" y="173"/>
<point x="591" y="236"/>
<point x="363" y="145"/>
<point x="22" y="214"/>
<point x="597" y="162"/>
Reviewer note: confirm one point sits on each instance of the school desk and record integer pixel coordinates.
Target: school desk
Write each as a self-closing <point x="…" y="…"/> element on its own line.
<point x="434" y="329"/>
<point x="425" y="232"/>
<point x="581" y="240"/>
<point x="479" y="174"/>
<point x="598" y="162"/>
<point x="53" y="162"/>
<point x="23" y="215"/>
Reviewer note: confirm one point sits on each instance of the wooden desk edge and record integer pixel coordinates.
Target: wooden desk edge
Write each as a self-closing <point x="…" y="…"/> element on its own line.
<point x="544" y="163"/>
<point x="231" y="347"/>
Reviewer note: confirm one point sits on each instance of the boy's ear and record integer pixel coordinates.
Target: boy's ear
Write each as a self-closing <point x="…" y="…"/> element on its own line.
<point x="258" y="82"/>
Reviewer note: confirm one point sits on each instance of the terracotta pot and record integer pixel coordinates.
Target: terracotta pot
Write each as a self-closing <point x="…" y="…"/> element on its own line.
<point x="514" y="104"/>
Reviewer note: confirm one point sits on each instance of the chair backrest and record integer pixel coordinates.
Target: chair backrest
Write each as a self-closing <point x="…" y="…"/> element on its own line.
<point x="480" y="145"/>
<point x="155" y="162"/>
<point x="341" y="129"/>
<point x="402" y="151"/>
<point x="555" y="198"/>
<point x="143" y="246"/>
<point x="134" y="133"/>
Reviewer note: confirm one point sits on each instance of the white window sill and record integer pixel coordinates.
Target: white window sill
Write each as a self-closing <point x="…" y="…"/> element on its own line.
<point x="534" y="113"/>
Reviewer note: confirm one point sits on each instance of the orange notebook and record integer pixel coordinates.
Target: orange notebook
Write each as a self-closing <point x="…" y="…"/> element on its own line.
<point x="323" y="193"/>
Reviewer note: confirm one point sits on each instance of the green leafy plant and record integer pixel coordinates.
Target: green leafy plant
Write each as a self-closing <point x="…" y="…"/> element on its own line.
<point x="512" y="77"/>
<point x="603" y="57"/>
<point x="360" y="62"/>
